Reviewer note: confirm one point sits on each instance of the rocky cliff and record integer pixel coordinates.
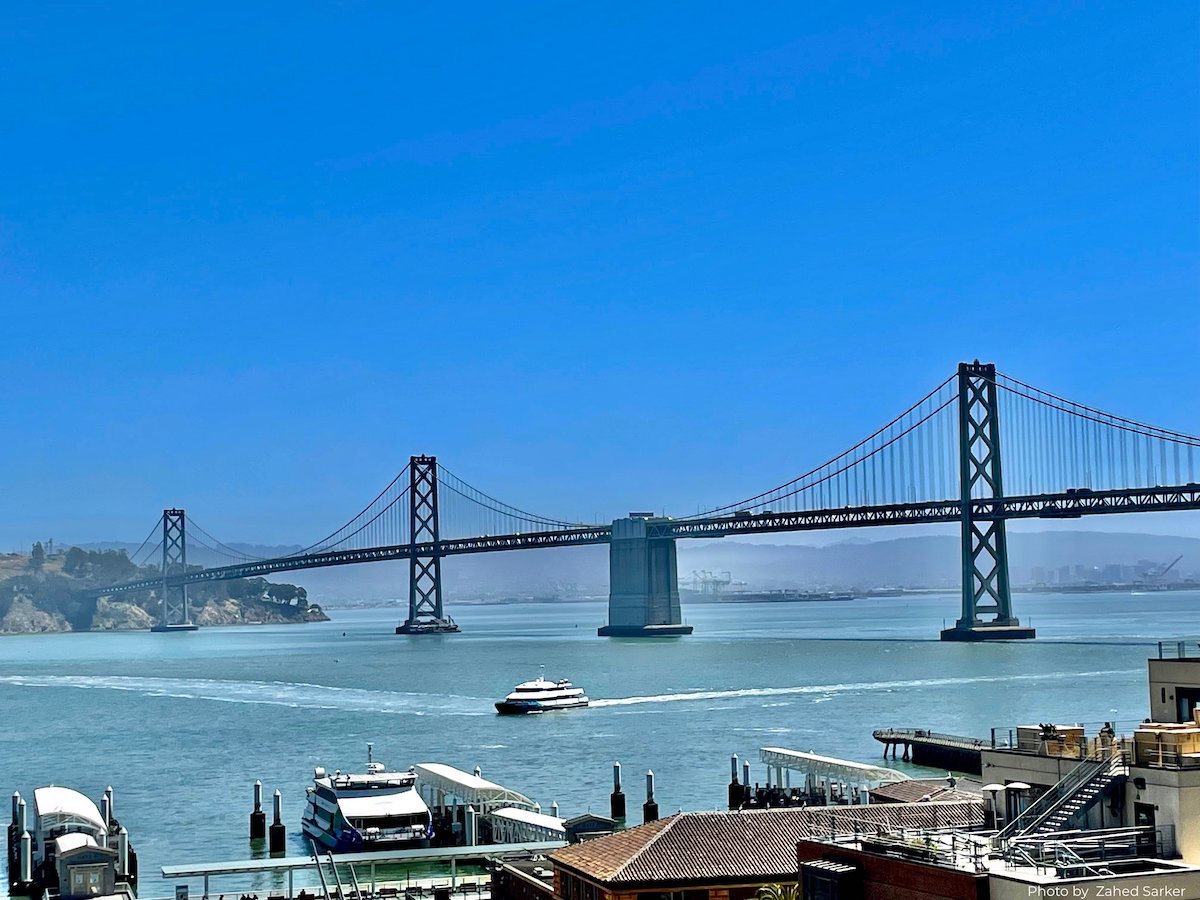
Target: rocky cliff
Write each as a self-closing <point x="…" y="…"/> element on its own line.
<point x="45" y="593"/>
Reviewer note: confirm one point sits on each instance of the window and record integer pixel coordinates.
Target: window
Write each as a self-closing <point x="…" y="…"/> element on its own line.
<point x="1186" y="701"/>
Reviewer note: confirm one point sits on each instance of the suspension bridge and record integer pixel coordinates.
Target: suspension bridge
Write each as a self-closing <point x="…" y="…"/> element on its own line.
<point x="939" y="461"/>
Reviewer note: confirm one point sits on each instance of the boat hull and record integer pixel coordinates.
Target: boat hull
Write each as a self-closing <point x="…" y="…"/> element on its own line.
<point x="349" y="841"/>
<point x="532" y="707"/>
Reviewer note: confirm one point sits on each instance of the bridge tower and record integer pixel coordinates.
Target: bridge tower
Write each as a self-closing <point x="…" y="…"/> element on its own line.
<point x="986" y="597"/>
<point x="425" y="615"/>
<point x="643" y="581"/>
<point x="175" y="614"/>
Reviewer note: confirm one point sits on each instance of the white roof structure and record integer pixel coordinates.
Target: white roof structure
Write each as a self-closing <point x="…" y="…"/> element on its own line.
<point x="529" y="817"/>
<point x="73" y="841"/>
<point x="60" y="806"/>
<point x="403" y="803"/>
<point x="470" y="789"/>
<point x="828" y="766"/>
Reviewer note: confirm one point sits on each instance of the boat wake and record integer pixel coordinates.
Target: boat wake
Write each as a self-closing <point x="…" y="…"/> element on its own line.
<point x="297" y="695"/>
<point x="826" y="689"/>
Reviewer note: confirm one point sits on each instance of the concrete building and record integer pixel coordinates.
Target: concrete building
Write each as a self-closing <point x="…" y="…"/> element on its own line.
<point x="951" y="864"/>
<point x="1148" y="780"/>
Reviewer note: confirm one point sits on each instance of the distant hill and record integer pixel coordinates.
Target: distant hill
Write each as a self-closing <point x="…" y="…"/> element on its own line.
<point x="50" y="592"/>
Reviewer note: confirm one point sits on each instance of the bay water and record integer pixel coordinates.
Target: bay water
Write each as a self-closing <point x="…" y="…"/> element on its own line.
<point x="182" y="724"/>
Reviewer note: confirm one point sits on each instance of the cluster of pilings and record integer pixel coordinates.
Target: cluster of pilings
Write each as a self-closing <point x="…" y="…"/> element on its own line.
<point x="276" y="836"/>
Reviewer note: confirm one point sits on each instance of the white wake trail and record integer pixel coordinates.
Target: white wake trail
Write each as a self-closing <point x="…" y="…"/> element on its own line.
<point x="685" y="696"/>
<point x="297" y="695"/>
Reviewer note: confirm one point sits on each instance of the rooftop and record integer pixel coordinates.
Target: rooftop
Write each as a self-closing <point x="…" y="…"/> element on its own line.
<point x="713" y="847"/>
<point x="916" y="790"/>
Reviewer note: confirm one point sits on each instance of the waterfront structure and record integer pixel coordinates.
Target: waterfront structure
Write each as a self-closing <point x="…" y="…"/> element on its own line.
<point x="73" y="850"/>
<point x="469" y="809"/>
<point x="940" y="461"/>
<point x="932" y="748"/>
<point x="1057" y="777"/>
<point x="723" y="855"/>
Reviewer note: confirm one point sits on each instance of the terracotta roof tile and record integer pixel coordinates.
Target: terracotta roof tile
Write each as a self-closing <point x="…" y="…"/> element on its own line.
<point x="750" y="844"/>
<point x="913" y="789"/>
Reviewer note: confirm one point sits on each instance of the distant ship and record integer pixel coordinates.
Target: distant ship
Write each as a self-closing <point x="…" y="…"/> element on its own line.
<point x="781" y="596"/>
<point x="542" y="695"/>
<point x="376" y="810"/>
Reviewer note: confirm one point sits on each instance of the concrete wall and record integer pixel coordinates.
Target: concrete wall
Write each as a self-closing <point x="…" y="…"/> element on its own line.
<point x="1165" y="676"/>
<point x="886" y="878"/>
<point x="1175" y="794"/>
<point x="642" y="577"/>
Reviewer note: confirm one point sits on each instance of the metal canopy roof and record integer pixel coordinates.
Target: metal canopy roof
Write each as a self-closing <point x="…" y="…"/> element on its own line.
<point x="469" y="789"/>
<point x="63" y="806"/>
<point x="528" y="817"/>
<point x="828" y="766"/>
<point x="384" y="857"/>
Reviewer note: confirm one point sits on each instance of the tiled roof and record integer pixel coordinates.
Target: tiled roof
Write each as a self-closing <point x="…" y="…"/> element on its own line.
<point x="749" y="844"/>
<point x="914" y="789"/>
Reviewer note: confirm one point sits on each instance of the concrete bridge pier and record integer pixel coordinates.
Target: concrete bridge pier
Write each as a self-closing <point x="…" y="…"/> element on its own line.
<point x="643" y="582"/>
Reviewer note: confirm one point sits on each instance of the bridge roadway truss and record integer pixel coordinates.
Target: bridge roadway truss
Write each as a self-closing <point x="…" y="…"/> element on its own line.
<point x="1068" y="505"/>
<point x="946" y="445"/>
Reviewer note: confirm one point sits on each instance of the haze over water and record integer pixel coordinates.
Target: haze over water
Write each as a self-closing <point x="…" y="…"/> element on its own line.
<point x="181" y="725"/>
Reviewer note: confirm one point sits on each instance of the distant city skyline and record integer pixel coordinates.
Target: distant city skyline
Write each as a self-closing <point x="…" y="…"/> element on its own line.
<point x="252" y="259"/>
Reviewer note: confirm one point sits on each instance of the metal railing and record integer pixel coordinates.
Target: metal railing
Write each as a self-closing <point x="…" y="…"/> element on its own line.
<point x="1091" y="848"/>
<point x="1179" y="649"/>
<point x="910" y="734"/>
<point x="1103" y="761"/>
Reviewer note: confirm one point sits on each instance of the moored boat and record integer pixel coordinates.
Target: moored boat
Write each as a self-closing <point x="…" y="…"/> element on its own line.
<point x="358" y="812"/>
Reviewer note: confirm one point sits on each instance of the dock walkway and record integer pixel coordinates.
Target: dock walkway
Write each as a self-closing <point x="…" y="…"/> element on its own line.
<point x="934" y="749"/>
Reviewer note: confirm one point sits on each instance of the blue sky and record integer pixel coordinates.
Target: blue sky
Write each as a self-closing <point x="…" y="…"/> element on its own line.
<point x="596" y="258"/>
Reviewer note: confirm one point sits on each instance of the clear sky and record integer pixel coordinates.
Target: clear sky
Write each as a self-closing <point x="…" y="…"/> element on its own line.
<point x="596" y="257"/>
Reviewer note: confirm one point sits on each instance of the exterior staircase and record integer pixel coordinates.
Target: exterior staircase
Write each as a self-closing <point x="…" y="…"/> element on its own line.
<point x="1078" y="791"/>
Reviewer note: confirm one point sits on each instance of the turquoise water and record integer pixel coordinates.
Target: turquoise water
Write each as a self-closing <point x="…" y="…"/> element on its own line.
<point x="182" y="724"/>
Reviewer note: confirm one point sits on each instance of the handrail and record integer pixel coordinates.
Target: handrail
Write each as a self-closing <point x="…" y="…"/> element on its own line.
<point x="1088" y="769"/>
<point x="910" y="734"/>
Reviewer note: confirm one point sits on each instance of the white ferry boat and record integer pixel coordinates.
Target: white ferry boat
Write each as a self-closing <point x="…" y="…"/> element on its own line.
<point x="542" y="695"/>
<point x="378" y="810"/>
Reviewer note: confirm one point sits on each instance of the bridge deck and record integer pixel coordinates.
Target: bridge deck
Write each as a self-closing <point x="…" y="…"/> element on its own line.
<point x="1071" y="504"/>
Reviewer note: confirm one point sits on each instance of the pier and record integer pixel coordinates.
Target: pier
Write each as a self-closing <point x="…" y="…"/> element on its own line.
<point x="930" y="748"/>
<point x="280" y="870"/>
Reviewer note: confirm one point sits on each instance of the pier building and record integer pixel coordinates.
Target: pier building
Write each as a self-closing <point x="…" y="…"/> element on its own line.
<point x="722" y="855"/>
